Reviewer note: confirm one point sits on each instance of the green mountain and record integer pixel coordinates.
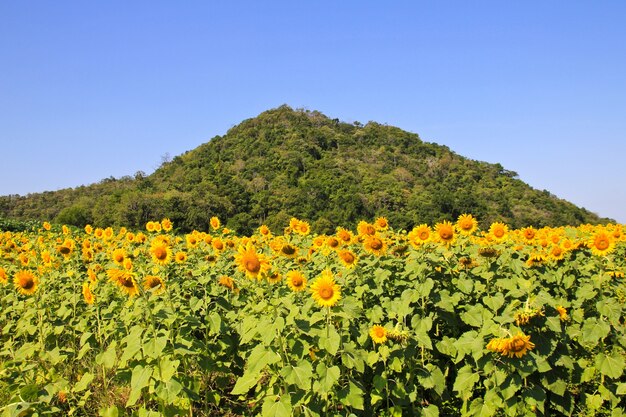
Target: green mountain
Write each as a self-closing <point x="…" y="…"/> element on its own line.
<point x="300" y="163"/>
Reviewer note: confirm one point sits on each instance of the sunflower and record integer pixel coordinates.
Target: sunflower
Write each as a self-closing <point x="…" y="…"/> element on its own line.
<point x="332" y="242"/>
<point x="296" y="280"/>
<point x="289" y="250"/>
<point x="601" y="243"/>
<point x="227" y="282"/>
<point x="150" y="226"/>
<point x="325" y="291"/>
<point x="119" y="255"/>
<point x="419" y="235"/>
<point x="348" y="258"/>
<point x="161" y="253"/>
<point x="562" y="313"/>
<point x="466" y="224"/>
<point x="517" y="345"/>
<point x="375" y="245"/>
<point x="364" y="228"/>
<point x="3" y="276"/>
<point x="528" y="233"/>
<point x="250" y="262"/>
<point x="88" y="229"/>
<point x="381" y="223"/>
<point x="87" y="294"/>
<point x="498" y="231"/>
<point x="47" y="226"/>
<point x="218" y="244"/>
<point x="344" y="235"/>
<point x="264" y="230"/>
<point x="66" y="248"/>
<point x="302" y="228"/>
<point x="192" y="241"/>
<point x="378" y="334"/>
<point x="274" y="277"/>
<point x="445" y="233"/>
<point x="26" y="282"/>
<point x="556" y="253"/>
<point x="215" y="223"/>
<point x="154" y="283"/>
<point x="615" y="274"/>
<point x="167" y="224"/>
<point x="128" y="264"/>
<point x="124" y="280"/>
<point x="180" y="257"/>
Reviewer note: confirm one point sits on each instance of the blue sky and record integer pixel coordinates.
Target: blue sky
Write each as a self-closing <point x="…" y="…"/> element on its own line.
<point x="90" y="90"/>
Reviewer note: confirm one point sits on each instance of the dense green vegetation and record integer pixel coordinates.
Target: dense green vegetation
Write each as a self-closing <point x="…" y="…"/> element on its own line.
<point x="300" y="163"/>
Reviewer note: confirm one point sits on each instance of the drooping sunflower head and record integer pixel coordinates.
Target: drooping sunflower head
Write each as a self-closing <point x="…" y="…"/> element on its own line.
<point x="88" y="296"/>
<point x="296" y="281"/>
<point x="124" y="281"/>
<point x="517" y="345"/>
<point x="26" y="282"/>
<point x="466" y="224"/>
<point x="154" y="283"/>
<point x="325" y="291"/>
<point x="378" y="334"/>
<point x="444" y="233"/>
<point x="562" y="313"/>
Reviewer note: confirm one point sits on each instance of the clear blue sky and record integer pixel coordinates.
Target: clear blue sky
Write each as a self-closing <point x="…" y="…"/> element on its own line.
<point x="93" y="89"/>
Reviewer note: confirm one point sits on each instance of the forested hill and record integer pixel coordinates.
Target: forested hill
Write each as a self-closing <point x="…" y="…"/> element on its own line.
<point x="301" y="163"/>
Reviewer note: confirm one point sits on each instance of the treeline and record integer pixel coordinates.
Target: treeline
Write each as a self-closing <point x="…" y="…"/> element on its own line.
<point x="296" y="163"/>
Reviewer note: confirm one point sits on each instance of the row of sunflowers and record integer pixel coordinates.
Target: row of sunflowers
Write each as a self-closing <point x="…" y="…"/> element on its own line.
<point x="439" y="320"/>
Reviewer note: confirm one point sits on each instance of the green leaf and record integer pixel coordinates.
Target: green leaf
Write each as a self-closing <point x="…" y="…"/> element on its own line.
<point x="260" y="357"/>
<point x="277" y="406"/>
<point x="84" y="382"/>
<point x="299" y="375"/>
<point x="331" y="341"/>
<point x="430" y="411"/>
<point x="139" y="380"/>
<point x="621" y="389"/>
<point x="108" y="357"/>
<point x="245" y="382"/>
<point x="112" y="411"/>
<point x="168" y="391"/>
<point x="29" y="392"/>
<point x="328" y="377"/>
<point x="594" y="330"/>
<point x="465" y="381"/>
<point x="476" y="315"/>
<point x="154" y="346"/>
<point x="494" y="302"/>
<point x="167" y="368"/>
<point x="611" y="366"/>
<point x="352" y="396"/>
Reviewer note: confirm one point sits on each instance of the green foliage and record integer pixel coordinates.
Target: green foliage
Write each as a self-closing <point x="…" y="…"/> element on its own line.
<point x="300" y="163"/>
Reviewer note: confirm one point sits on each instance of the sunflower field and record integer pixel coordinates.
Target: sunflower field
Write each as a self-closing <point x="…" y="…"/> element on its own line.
<point x="442" y="320"/>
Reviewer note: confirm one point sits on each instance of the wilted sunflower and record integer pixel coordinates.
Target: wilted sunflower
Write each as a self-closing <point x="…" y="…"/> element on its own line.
<point x="227" y="282"/>
<point x="26" y="282"/>
<point x="378" y="334"/>
<point x="325" y="291"/>
<point x="296" y="280"/>
<point x="498" y="231"/>
<point x="154" y="283"/>
<point x="562" y="313"/>
<point x="517" y="345"/>
<point x="601" y="243"/>
<point x="445" y="233"/>
<point x="466" y="224"/>
<point x="87" y="294"/>
<point x="250" y="262"/>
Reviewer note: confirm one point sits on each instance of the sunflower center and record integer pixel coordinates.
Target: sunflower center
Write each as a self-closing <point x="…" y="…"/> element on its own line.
<point x="160" y="253"/>
<point x="64" y="250"/>
<point x="376" y="244"/>
<point x="326" y="293"/>
<point x="602" y="243"/>
<point x="347" y="257"/>
<point x="423" y="235"/>
<point x="296" y="281"/>
<point x="253" y="265"/>
<point x="446" y="234"/>
<point x="380" y="332"/>
<point x="288" y="250"/>
<point x="127" y="282"/>
<point x="27" y="283"/>
<point x="333" y="243"/>
<point x="218" y="245"/>
<point x="498" y="232"/>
